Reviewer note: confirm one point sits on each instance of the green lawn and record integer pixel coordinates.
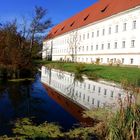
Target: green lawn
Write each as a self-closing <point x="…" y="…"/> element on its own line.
<point x="114" y="73"/>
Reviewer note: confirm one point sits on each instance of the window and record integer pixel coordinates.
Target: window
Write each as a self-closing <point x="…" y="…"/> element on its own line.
<point x="93" y="101"/>
<point x="102" y="46"/>
<point x="134" y="24"/>
<point x="103" y="33"/>
<point x="80" y="37"/>
<point x="116" y="28"/>
<point x="132" y="43"/>
<point x="87" y="35"/>
<point x="108" y="45"/>
<point x="72" y="23"/>
<point x="123" y="44"/>
<point x="88" y="86"/>
<point x="86" y="17"/>
<point x="122" y="60"/>
<point x="93" y="88"/>
<point x="83" y="36"/>
<point x="99" y="89"/>
<point x="101" y="59"/>
<point x="115" y="45"/>
<point x="97" y="33"/>
<point x="131" y="61"/>
<point x="88" y="99"/>
<point x="84" y="85"/>
<point x="107" y="59"/>
<point x="84" y="97"/>
<point x="109" y="30"/>
<point x="92" y="34"/>
<point x="83" y="49"/>
<point x="124" y="26"/>
<point x="87" y="48"/>
<point x="112" y="94"/>
<point x="79" y="94"/>
<point x="98" y="103"/>
<point x="105" y="90"/>
<point x="91" y="47"/>
<point x="96" y="47"/>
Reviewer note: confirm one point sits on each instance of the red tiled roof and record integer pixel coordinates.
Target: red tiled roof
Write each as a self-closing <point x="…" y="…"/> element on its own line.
<point x="96" y="12"/>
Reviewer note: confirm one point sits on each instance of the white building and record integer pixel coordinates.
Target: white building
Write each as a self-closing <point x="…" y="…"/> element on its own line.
<point x="106" y="32"/>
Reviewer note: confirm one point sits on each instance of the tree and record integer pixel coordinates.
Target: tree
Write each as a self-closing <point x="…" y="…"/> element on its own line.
<point x="38" y="25"/>
<point x="73" y="45"/>
<point x="19" y="45"/>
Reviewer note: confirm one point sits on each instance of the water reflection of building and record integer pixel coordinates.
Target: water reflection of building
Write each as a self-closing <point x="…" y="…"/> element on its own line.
<point x="88" y="94"/>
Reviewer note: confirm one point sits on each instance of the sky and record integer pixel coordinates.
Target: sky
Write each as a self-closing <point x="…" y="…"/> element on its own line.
<point x="58" y="10"/>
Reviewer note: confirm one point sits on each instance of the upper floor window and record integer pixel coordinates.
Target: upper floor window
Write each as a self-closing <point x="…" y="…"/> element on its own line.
<point x="92" y="100"/>
<point x="116" y="28"/>
<point x="91" y="47"/>
<point x="132" y="43"/>
<point x="87" y="48"/>
<point x="93" y="88"/>
<point x="87" y="35"/>
<point x="83" y="36"/>
<point x="80" y="37"/>
<point x="109" y="30"/>
<point x="115" y="45"/>
<point x="112" y="92"/>
<point x="97" y="33"/>
<point x="123" y="44"/>
<point x="96" y="47"/>
<point x="108" y="46"/>
<point x="92" y="34"/>
<point x="99" y="89"/>
<point x="134" y="24"/>
<point x="105" y="91"/>
<point x="102" y="46"/>
<point x="103" y="32"/>
<point x="124" y="26"/>
<point x="83" y="48"/>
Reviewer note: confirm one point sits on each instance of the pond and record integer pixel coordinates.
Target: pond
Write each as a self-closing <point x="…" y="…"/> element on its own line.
<point x="25" y="99"/>
<point x="55" y="96"/>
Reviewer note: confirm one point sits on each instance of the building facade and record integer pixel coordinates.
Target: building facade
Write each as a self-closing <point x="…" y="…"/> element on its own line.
<point x="106" y="32"/>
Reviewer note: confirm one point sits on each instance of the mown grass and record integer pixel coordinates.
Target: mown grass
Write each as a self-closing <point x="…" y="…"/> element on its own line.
<point x="112" y="73"/>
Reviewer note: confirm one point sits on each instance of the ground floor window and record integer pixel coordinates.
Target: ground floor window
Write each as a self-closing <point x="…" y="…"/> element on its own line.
<point x="131" y="61"/>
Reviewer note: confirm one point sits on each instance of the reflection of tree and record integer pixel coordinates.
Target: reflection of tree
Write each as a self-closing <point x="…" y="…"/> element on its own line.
<point x="71" y="88"/>
<point x="21" y="97"/>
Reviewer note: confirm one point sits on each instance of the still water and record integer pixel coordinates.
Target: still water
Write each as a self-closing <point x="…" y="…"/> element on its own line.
<point x="25" y="99"/>
<point x="55" y="96"/>
<point x="84" y="92"/>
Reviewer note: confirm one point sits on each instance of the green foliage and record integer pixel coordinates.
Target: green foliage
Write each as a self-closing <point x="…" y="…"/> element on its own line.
<point x="125" y="125"/>
<point x="81" y="133"/>
<point x="26" y="129"/>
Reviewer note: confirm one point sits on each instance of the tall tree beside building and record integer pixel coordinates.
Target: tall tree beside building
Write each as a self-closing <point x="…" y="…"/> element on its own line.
<point x="73" y="45"/>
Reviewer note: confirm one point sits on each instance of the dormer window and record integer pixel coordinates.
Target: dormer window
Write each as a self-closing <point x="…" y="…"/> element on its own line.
<point x="72" y="23"/>
<point x="104" y="9"/>
<point x="55" y="32"/>
<point x="62" y="28"/>
<point x="86" y="17"/>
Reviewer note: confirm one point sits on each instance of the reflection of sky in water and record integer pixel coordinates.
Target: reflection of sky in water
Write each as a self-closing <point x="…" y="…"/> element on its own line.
<point x="88" y="93"/>
<point x="16" y="103"/>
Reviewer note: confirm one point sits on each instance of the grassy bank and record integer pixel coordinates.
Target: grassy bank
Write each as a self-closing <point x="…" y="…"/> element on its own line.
<point x="113" y="73"/>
